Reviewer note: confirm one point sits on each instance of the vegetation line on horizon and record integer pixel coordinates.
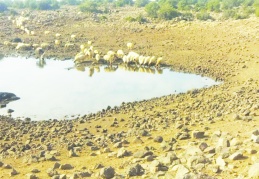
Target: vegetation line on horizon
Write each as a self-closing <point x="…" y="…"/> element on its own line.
<point x="156" y="9"/>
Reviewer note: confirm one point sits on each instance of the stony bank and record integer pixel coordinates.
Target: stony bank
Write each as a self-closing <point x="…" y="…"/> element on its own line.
<point x="207" y="133"/>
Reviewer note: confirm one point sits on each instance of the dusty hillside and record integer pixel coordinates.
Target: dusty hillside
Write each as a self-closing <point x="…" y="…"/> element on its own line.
<point x="207" y="133"/>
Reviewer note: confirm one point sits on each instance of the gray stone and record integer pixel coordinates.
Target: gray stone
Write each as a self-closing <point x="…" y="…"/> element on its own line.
<point x="56" y="165"/>
<point x="71" y="153"/>
<point x="50" y="157"/>
<point x="158" y="139"/>
<point x="142" y="154"/>
<point x="122" y="152"/>
<point x="107" y="172"/>
<point x="7" y="166"/>
<point x="210" y="150"/>
<point x="165" y="146"/>
<point x="203" y="146"/>
<point x="35" y="170"/>
<point x="194" y="160"/>
<point x="83" y="174"/>
<point x="51" y="172"/>
<point x="168" y="159"/>
<point x="236" y="156"/>
<point x="197" y="134"/>
<point x="117" y="145"/>
<point x="66" y="167"/>
<point x="31" y="176"/>
<point x="136" y="170"/>
<point x="255" y="132"/>
<point x="253" y="171"/>
<point x="13" y="172"/>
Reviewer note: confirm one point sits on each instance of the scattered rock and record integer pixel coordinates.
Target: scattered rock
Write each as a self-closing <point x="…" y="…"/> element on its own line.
<point x="136" y="170"/>
<point x="66" y="167"/>
<point x="197" y="134"/>
<point x="158" y="139"/>
<point x="236" y="156"/>
<point x="107" y="172"/>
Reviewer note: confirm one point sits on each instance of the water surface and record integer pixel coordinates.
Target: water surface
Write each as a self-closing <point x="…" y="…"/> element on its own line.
<point x="53" y="89"/>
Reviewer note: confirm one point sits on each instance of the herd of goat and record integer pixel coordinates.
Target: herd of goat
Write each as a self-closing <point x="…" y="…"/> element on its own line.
<point x="87" y="51"/>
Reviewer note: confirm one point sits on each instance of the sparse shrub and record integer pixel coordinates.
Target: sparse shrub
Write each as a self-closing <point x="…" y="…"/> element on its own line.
<point x="227" y="14"/>
<point x="167" y="12"/>
<point x="151" y="9"/>
<point x="188" y="16"/>
<point x="140" y="19"/>
<point x="130" y="19"/>
<point x="213" y="5"/>
<point x="141" y="3"/>
<point x="121" y="3"/>
<point x="89" y="6"/>
<point x="203" y="16"/>
<point x="103" y="18"/>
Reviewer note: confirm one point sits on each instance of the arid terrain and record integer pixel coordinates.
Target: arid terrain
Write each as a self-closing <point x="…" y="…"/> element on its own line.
<point x="207" y="133"/>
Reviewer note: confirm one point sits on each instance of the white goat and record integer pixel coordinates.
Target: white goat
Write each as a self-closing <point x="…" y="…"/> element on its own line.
<point x="158" y="61"/>
<point x="120" y="54"/>
<point x="133" y="57"/>
<point x="151" y="60"/>
<point x="130" y="45"/>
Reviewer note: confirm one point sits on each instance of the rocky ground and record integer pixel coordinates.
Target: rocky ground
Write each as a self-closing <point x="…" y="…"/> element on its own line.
<point x="207" y="133"/>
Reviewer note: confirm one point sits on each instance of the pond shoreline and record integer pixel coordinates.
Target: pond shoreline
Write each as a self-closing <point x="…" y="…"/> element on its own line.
<point x="209" y="132"/>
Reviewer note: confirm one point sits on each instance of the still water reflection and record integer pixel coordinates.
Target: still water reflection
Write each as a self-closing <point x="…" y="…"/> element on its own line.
<point x="53" y="89"/>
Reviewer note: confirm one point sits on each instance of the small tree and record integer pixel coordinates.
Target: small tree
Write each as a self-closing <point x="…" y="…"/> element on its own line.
<point x="121" y="3"/>
<point x="167" y="12"/>
<point x="151" y="9"/>
<point x="214" y="5"/>
<point x="89" y="6"/>
<point x="141" y="3"/>
<point x="203" y="16"/>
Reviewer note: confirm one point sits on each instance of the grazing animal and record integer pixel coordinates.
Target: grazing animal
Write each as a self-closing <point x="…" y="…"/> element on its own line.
<point x="151" y="60"/>
<point x="130" y="45"/>
<point x="158" y="61"/>
<point x="120" y="54"/>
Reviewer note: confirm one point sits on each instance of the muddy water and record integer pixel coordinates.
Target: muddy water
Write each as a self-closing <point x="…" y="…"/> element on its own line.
<point x="55" y="89"/>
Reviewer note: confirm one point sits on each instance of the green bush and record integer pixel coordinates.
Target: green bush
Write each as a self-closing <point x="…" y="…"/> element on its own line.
<point x="130" y="19"/>
<point x="184" y="5"/>
<point x="227" y="14"/>
<point x="213" y="5"/>
<point x="89" y="6"/>
<point x="121" y="3"/>
<point x="140" y="19"/>
<point x="203" y="16"/>
<point x="188" y="16"/>
<point x="167" y="12"/>
<point x="141" y="3"/>
<point x="151" y="9"/>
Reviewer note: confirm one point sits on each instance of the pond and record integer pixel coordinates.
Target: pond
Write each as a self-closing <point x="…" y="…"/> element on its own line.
<point x="56" y="90"/>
